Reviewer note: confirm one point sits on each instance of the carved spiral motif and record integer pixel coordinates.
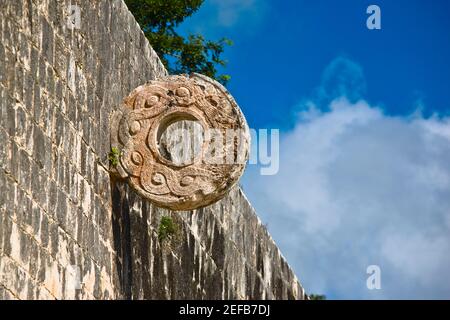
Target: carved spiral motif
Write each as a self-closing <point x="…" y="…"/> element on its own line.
<point x="149" y="110"/>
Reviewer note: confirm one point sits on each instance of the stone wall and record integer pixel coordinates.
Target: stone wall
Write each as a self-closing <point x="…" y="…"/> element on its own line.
<point x="63" y="219"/>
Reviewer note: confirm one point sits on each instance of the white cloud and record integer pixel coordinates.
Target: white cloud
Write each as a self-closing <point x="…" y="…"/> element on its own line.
<point x="357" y="187"/>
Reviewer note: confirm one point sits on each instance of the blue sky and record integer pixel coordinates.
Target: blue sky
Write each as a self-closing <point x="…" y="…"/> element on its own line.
<point x="283" y="47"/>
<point x="365" y="132"/>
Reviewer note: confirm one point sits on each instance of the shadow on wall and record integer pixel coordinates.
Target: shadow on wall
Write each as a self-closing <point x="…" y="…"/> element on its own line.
<point x="146" y="268"/>
<point x="122" y="239"/>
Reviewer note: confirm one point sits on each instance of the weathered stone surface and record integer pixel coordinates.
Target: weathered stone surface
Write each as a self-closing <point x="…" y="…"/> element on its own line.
<point x="167" y="180"/>
<point x="69" y="231"/>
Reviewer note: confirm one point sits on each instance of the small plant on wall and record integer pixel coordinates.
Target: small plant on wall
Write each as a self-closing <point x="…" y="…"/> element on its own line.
<point x="113" y="156"/>
<point x="168" y="229"/>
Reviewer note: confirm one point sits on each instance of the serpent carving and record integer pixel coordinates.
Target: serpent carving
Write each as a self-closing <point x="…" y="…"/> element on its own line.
<point x="139" y="124"/>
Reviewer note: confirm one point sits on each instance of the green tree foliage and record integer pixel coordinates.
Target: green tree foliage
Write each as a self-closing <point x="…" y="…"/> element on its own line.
<point x="159" y="19"/>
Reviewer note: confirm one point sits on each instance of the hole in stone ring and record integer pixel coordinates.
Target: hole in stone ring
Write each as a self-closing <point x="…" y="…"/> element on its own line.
<point x="180" y="139"/>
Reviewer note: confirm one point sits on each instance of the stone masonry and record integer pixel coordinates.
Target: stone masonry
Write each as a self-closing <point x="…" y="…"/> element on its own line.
<point x="68" y="230"/>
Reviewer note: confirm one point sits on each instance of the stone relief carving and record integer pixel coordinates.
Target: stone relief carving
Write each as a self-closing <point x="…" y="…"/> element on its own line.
<point x="140" y="125"/>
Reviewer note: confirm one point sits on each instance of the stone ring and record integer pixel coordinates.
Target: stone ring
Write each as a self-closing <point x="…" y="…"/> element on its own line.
<point x="183" y="141"/>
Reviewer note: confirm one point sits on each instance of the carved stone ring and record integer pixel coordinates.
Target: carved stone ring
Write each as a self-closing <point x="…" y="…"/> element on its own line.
<point x="138" y="131"/>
